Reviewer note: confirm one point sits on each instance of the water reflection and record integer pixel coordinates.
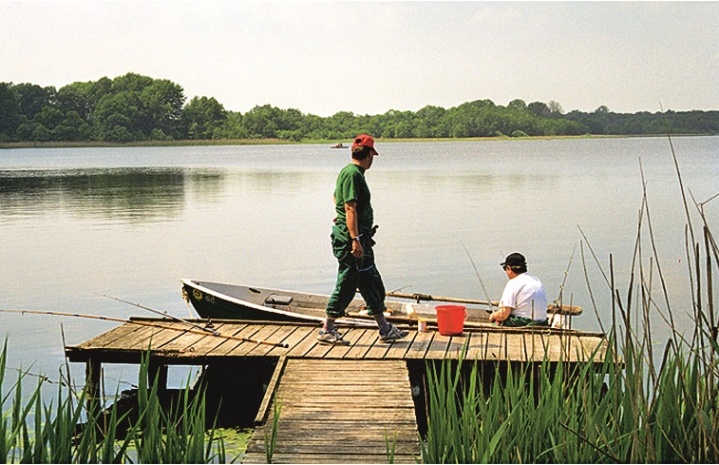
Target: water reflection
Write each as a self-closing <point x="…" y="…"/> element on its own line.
<point x="120" y="193"/>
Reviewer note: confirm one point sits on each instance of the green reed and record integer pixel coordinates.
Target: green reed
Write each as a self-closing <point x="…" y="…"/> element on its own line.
<point x="67" y="431"/>
<point x="624" y="408"/>
<point x="271" y="436"/>
<point x="551" y="413"/>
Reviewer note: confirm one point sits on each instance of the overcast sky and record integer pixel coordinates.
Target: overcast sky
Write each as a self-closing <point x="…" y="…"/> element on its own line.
<point x="372" y="57"/>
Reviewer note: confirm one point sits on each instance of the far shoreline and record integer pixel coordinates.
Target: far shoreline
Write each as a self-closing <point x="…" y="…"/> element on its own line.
<point x="330" y="142"/>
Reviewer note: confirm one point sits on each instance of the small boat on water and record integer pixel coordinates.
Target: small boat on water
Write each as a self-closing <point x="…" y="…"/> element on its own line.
<point x="233" y="301"/>
<point x="339" y="145"/>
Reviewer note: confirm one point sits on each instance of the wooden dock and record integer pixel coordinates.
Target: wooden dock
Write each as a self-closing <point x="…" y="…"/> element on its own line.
<point x="332" y="411"/>
<point x="335" y="404"/>
<point x="177" y="343"/>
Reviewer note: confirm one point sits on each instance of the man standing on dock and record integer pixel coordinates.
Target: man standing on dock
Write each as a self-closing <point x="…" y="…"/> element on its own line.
<point x="524" y="301"/>
<point x="352" y="246"/>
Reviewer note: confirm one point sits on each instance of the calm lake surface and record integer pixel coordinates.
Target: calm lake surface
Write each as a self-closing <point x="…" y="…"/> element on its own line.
<point x="80" y="223"/>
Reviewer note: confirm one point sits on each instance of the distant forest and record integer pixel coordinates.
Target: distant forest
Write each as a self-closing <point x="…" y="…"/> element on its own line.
<point x="135" y="108"/>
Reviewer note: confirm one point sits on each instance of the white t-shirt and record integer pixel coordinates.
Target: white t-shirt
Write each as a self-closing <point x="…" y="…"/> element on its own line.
<point x="524" y="294"/>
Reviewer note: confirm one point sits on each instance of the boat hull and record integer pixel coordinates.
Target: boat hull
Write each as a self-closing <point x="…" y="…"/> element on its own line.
<point x="224" y="301"/>
<point x="230" y="301"/>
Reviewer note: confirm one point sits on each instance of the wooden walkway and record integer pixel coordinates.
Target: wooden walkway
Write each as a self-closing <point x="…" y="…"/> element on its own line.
<point x="336" y="404"/>
<point x="177" y="343"/>
<point x="332" y="411"/>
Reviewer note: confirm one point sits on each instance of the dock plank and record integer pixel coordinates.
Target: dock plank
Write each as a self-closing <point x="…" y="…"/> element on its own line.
<point x="292" y="338"/>
<point x="420" y="344"/>
<point x="397" y="349"/>
<point x="285" y="335"/>
<point x="270" y="335"/>
<point x="338" y="411"/>
<point x="379" y="349"/>
<point x="146" y="338"/>
<point x="493" y="347"/>
<point x="236" y="347"/>
<point x="173" y="340"/>
<point x="361" y="345"/>
<point x="456" y="346"/>
<point x="109" y="338"/>
<point x="484" y="344"/>
<point x="303" y="348"/>
<point x="438" y="348"/>
<point x="205" y="345"/>
<point x="475" y="346"/>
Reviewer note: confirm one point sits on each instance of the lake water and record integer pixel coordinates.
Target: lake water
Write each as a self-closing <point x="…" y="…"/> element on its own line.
<point x="80" y="223"/>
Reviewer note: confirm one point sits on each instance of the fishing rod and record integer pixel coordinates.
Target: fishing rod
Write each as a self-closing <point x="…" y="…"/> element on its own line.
<point x="164" y="314"/>
<point x="427" y="297"/>
<point x="436" y="298"/>
<point x="61" y="382"/>
<point x="144" y="323"/>
<point x="566" y="273"/>
<point x="551" y="308"/>
<point x="481" y="283"/>
<point x="388" y="294"/>
<point x="43" y="378"/>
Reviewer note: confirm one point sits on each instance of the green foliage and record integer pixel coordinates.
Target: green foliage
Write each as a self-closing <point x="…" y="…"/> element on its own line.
<point x="135" y="108"/>
<point x="202" y="117"/>
<point x="271" y="436"/>
<point x="126" y="109"/>
<point x="33" y="432"/>
<point x="550" y="415"/>
<point x="9" y="111"/>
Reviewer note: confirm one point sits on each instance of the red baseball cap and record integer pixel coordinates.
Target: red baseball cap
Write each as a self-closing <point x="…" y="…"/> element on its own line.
<point x="365" y="140"/>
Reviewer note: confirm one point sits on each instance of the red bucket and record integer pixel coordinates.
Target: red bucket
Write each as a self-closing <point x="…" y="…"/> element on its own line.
<point x="450" y="319"/>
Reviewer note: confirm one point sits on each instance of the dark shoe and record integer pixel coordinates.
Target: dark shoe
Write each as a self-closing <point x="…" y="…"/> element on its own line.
<point x="392" y="334"/>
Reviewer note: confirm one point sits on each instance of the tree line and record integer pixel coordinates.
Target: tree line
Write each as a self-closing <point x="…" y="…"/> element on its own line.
<point x="135" y="108"/>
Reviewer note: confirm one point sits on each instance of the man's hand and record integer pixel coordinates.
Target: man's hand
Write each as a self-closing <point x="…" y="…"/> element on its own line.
<point x="357" y="250"/>
<point x="500" y="315"/>
<point x="353" y="228"/>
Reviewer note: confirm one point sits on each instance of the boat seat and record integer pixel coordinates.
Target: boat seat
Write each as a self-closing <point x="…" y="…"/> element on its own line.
<point x="278" y="300"/>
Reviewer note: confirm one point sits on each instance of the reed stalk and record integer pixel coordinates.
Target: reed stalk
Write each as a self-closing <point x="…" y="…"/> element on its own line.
<point x="605" y="413"/>
<point x="390" y="446"/>
<point x="64" y="431"/>
<point x="271" y="436"/>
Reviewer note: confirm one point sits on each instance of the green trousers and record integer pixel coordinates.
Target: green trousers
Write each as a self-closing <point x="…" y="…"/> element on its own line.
<point x="354" y="274"/>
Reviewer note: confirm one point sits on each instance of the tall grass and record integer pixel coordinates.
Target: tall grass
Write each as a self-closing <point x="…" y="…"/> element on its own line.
<point x="634" y="406"/>
<point x="271" y="435"/>
<point x="608" y="414"/>
<point x="66" y="431"/>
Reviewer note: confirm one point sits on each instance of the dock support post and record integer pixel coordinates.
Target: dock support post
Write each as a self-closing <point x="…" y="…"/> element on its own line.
<point x="157" y="373"/>
<point x="93" y="369"/>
